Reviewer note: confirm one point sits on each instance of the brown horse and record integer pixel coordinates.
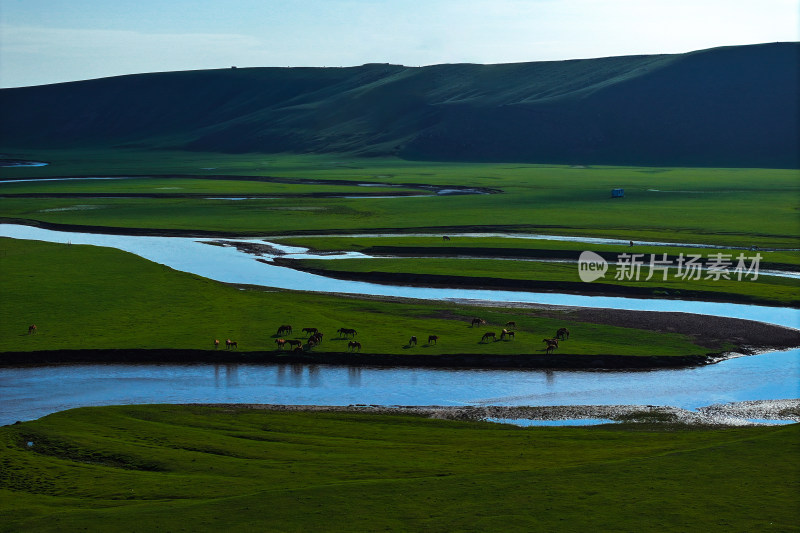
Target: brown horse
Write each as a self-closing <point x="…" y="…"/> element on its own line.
<point x="216" y="343"/>
<point x="478" y="321"/>
<point x="292" y="343"/>
<point x="489" y="335"/>
<point x="562" y="333"/>
<point x="552" y="344"/>
<point x="506" y="333"/>
<point x="286" y="328"/>
<point x="433" y="339"/>
<point x="310" y="331"/>
<point x="316" y="337"/>
<point x="511" y="324"/>
<point x="445" y="238"/>
<point x="352" y="345"/>
<point x="281" y="343"/>
<point x="346" y="331"/>
<point x="412" y="340"/>
<point x="31" y="329"/>
<point x="231" y="344"/>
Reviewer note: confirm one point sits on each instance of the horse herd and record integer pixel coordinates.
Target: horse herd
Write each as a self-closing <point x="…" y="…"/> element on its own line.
<point x="314" y="337"/>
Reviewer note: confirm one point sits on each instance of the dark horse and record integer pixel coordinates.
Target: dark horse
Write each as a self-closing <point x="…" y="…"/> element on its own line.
<point x="412" y="340"/>
<point x="552" y="344"/>
<point x="346" y="331"/>
<point x="293" y="342"/>
<point x="445" y="238"/>
<point x="478" y="321"/>
<point x="31" y="329"/>
<point x="562" y="333"/>
<point x="231" y="344"/>
<point x="489" y="335"/>
<point x="310" y="330"/>
<point x="286" y="328"/>
<point x="352" y="345"/>
<point x="433" y="339"/>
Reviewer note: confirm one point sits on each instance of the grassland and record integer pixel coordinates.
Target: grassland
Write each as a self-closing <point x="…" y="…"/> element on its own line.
<point x="171" y="468"/>
<point x="701" y="205"/>
<point x="84" y="297"/>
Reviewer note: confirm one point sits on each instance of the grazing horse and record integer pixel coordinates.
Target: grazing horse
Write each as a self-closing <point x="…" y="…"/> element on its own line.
<point x="412" y="340"/>
<point x="433" y="338"/>
<point x="511" y="324"/>
<point x="231" y="344"/>
<point x="445" y="238"/>
<point x="310" y="331"/>
<point x="293" y="342"/>
<point x="346" y="331"/>
<point x="562" y="333"/>
<point x="281" y="343"/>
<point x="488" y="335"/>
<point x="316" y="337"/>
<point x="478" y="321"/>
<point x="31" y="329"/>
<point x="286" y="328"/>
<point x="216" y="343"/>
<point x="352" y="345"/>
<point x="552" y="344"/>
<point x="506" y="333"/>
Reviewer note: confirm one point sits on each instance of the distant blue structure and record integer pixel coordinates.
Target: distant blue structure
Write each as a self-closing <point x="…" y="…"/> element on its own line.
<point x="617" y="193"/>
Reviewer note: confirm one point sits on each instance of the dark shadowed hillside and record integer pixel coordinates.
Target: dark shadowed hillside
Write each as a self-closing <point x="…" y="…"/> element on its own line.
<point x="733" y="106"/>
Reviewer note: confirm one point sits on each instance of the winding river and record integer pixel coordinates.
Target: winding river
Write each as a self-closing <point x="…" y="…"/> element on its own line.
<point x="31" y="392"/>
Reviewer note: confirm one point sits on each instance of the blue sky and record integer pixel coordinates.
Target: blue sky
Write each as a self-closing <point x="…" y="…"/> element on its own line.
<point x="51" y="41"/>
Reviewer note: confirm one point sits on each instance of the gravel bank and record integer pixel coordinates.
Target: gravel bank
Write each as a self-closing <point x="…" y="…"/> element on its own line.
<point x="729" y="414"/>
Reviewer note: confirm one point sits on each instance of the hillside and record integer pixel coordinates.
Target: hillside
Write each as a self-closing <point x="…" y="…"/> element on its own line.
<point x="733" y="106"/>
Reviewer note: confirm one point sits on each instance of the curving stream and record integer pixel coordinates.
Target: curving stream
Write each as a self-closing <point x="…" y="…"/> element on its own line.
<point x="31" y="392"/>
<point x="229" y="265"/>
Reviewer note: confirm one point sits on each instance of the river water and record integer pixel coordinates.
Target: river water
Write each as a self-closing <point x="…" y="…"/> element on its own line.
<point x="31" y="392"/>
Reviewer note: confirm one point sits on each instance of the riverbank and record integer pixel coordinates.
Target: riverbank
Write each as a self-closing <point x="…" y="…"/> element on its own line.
<point x="522" y="360"/>
<point x="476" y="282"/>
<point x="728" y="414"/>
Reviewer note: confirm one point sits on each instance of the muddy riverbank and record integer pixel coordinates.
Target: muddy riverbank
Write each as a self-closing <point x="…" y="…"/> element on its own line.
<point x="521" y="360"/>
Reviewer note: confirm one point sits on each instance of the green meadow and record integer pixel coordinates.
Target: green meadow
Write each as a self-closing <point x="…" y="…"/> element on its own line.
<point x="733" y="207"/>
<point x="85" y="297"/>
<point x="193" y="468"/>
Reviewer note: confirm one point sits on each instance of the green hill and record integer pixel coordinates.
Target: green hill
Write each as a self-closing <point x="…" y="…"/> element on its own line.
<point x="732" y="106"/>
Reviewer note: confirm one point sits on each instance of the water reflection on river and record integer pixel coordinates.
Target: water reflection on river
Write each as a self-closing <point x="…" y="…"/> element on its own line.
<point x="30" y="392"/>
